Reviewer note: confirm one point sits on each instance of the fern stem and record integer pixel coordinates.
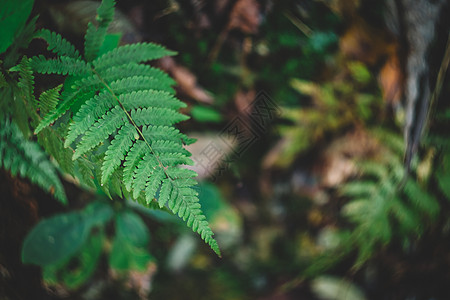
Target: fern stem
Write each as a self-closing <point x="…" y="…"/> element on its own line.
<point x="132" y="122"/>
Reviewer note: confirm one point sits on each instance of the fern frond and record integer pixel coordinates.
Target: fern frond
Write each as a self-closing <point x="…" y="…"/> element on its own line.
<point x="134" y="53"/>
<point x="26" y="80"/>
<point x="379" y="207"/>
<point x="24" y="157"/>
<point x="63" y="65"/>
<point x="95" y="35"/>
<point x="48" y="100"/>
<point x="57" y="44"/>
<point x="123" y="115"/>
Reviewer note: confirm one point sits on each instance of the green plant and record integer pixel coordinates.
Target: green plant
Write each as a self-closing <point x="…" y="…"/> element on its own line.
<point x="26" y="158"/>
<point x="110" y="124"/>
<point x="382" y="205"/>
<point x="68" y="246"/>
<point x="334" y="107"/>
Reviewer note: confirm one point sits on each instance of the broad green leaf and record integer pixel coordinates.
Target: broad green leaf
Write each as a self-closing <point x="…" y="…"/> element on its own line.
<point x="129" y="246"/>
<point x="85" y="260"/>
<point x="13" y="16"/>
<point x="125" y="256"/>
<point x="205" y="114"/>
<point x="130" y="226"/>
<point x="97" y="213"/>
<point x="111" y="42"/>
<point x="55" y="239"/>
<point x="58" y="238"/>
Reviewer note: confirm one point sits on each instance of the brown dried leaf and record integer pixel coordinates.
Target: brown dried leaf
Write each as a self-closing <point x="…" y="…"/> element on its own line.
<point x="391" y="81"/>
<point x="365" y="43"/>
<point x="245" y="16"/>
<point x="337" y="162"/>
<point x="187" y="82"/>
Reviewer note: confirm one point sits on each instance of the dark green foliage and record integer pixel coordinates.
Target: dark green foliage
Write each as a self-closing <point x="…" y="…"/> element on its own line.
<point x="63" y="65"/>
<point x="95" y="35"/>
<point x="122" y="116"/>
<point x="48" y="100"/>
<point x="13" y="16"/>
<point x="76" y="270"/>
<point x="56" y="239"/>
<point x="25" y="158"/>
<point x="130" y="242"/>
<point x="68" y="246"/>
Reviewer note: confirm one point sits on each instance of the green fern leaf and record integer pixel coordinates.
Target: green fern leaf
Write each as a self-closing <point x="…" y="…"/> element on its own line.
<point x="63" y="65"/>
<point x="154" y="133"/>
<point x="165" y="146"/>
<point x="134" y="69"/>
<point x="49" y="99"/>
<point x="57" y="44"/>
<point x="134" y="53"/>
<point x="156" y="116"/>
<point x="26" y="80"/>
<point x="24" y="157"/>
<point x="139" y="83"/>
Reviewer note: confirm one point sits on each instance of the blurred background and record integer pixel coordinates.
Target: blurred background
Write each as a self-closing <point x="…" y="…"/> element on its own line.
<point x="298" y="108"/>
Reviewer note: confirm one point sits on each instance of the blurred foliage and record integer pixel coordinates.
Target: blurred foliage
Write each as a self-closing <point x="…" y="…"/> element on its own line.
<point x="287" y="231"/>
<point x="69" y="246"/>
<point x="334" y="107"/>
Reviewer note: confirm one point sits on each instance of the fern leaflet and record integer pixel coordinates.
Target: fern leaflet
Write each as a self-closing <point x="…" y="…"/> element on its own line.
<point x="57" y="44"/>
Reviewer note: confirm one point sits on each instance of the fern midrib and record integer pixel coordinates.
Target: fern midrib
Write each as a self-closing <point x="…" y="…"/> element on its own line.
<point x="133" y="123"/>
<point x="205" y="235"/>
